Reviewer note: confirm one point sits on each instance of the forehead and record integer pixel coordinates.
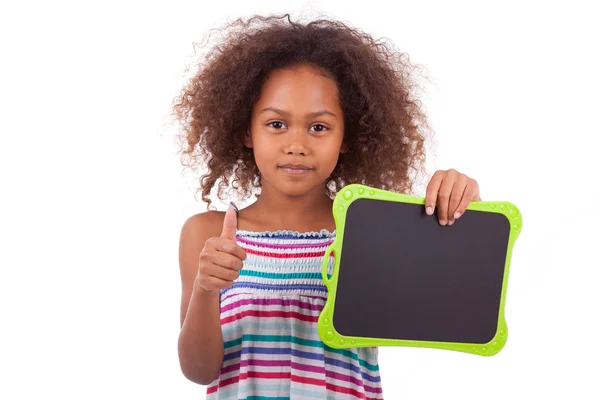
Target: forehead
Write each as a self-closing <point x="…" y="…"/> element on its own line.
<point x="299" y="88"/>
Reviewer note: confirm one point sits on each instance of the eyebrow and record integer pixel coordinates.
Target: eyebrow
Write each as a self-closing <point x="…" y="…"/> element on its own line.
<point x="313" y="114"/>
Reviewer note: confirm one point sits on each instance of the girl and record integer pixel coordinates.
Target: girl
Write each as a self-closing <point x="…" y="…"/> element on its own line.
<point x="296" y="112"/>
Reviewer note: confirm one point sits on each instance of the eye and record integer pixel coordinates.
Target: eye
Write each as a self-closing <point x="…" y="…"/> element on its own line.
<point x="275" y="122"/>
<point x="322" y="126"/>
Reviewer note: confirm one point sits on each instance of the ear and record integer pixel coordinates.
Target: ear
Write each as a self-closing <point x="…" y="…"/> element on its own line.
<point x="248" y="139"/>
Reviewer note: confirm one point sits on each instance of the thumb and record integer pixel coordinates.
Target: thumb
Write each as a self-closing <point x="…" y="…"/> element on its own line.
<point x="230" y="224"/>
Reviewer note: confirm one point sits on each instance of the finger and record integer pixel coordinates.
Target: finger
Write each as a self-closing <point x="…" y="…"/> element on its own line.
<point x="470" y="193"/>
<point x="225" y="246"/>
<point x="432" y="191"/>
<point x="222" y="272"/>
<point x="444" y="199"/>
<point x="456" y="196"/>
<point x="225" y="260"/>
<point x="228" y="247"/>
<point x="230" y="224"/>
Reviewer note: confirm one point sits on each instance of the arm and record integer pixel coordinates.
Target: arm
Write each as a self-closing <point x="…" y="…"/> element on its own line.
<point x="200" y="344"/>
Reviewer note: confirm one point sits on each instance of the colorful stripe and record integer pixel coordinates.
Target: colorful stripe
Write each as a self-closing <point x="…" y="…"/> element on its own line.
<point x="272" y="254"/>
<point x="285" y="246"/>
<point x="269" y="316"/>
<point x="258" y="302"/>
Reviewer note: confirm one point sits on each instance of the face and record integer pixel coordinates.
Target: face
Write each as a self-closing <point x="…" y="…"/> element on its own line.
<point x="297" y="130"/>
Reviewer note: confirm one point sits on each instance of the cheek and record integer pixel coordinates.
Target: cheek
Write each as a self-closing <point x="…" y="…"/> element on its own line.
<point x="332" y="148"/>
<point x="328" y="157"/>
<point x="264" y="152"/>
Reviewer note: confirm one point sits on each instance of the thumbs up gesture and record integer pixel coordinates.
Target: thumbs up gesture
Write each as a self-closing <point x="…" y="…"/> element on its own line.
<point x="222" y="258"/>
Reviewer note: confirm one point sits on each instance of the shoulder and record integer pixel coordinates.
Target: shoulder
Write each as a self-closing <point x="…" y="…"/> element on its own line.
<point x="207" y="223"/>
<point x="205" y="219"/>
<point x="196" y="230"/>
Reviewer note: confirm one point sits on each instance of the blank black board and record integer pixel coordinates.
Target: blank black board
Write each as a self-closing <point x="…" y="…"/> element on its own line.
<point x="405" y="276"/>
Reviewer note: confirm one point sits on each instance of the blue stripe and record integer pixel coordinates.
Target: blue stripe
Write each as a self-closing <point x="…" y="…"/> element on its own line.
<point x="229" y="356"/>
<point x="306" y="354"/>
<point x="345" y="365"/>
<point x="285" y="350"/>
<point x="311" y="356"/>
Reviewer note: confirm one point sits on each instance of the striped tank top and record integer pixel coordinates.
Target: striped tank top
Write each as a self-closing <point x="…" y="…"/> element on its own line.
<point x="269" y="323"/>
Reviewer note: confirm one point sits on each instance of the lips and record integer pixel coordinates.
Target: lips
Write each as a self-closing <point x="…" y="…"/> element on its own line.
<point x="295" y="167"/>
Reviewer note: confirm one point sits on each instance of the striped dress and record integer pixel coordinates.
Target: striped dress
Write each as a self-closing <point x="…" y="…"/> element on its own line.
<point x="269" y="324"/>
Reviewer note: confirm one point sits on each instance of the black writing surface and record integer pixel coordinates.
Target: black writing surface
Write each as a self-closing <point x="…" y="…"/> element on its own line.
<point x="404" y="276"/>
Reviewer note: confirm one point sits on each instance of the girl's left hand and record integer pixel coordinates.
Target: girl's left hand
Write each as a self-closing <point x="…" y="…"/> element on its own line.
<point x="454" y="192"/>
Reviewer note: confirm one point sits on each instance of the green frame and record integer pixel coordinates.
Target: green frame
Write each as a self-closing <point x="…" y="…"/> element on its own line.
<point x="342" y="201"/>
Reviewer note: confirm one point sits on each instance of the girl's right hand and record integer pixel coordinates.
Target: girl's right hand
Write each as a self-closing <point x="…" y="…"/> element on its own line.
<point x="222" y="258"/>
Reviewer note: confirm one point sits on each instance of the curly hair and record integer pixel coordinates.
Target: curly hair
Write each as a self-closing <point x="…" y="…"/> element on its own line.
<point x="385" y="126"/>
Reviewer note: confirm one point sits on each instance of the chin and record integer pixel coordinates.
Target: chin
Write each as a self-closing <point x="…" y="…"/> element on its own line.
<point x="297" y="189"/>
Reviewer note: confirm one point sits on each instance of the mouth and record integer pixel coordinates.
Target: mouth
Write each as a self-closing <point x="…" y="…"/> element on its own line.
<point x="296" y="168"/>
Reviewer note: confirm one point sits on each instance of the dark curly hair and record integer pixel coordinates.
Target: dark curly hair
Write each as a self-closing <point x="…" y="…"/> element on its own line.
<point x="385" y="126"/>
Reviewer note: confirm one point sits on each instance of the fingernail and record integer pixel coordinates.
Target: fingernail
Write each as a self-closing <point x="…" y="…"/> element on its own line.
<point x="442" y="223"/>
<point x="450" y="223"/>
<point x="232" y="204"/>
<point x="429" y="210"/>
<point x="457" y="215"/>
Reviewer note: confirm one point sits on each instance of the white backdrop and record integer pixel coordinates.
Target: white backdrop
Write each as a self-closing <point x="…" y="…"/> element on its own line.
<point x="93" y="197"/>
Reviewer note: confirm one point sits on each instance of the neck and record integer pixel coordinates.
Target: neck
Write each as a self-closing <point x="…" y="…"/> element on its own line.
<point x="309" y="212"/>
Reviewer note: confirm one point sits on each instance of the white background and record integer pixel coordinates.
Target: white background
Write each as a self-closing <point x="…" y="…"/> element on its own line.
<point x="93" y="197"/>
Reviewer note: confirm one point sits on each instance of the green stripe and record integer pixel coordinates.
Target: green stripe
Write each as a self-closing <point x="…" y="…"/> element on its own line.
<point x="233" y="343"/>
<point x="302" y="342"/>
<point x="275" y="339"/>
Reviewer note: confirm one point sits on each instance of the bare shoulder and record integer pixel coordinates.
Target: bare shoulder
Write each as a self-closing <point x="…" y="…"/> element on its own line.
<point x="196" y="230"/>
<point x="208" y="222"/>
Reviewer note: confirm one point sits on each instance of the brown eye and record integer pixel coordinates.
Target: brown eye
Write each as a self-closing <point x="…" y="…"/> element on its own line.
<point x="322" y="126"/>
<point x="275" y="122"/>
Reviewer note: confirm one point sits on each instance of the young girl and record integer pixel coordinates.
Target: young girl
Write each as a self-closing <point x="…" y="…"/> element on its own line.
<point x="296" y="112"/>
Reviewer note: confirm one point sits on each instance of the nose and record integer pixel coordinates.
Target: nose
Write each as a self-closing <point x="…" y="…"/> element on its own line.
<point x="297" y="144"/>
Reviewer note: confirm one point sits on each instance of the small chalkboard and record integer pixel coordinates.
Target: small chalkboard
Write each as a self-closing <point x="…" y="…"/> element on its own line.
<point x="402" y="279"/>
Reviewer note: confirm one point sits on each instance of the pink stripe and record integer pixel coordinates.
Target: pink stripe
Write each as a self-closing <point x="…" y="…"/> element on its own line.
<point x="356" y="381"/>
<point x="302" y="367"/>
<point x="269" y="314"/>
<point x="345" y="390"/>
<point x="229" y="368"/>
<point x="254" y="362"/>
<point x="272" y="302"/>
<point x="309" y="368"/>
<point x="336" y="375"/>
<point x="284" y="245"/>
<point x="306" y="254"/>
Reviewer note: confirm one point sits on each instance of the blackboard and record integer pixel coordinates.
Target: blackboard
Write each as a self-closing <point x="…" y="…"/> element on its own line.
<point x="401" y="278"/>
